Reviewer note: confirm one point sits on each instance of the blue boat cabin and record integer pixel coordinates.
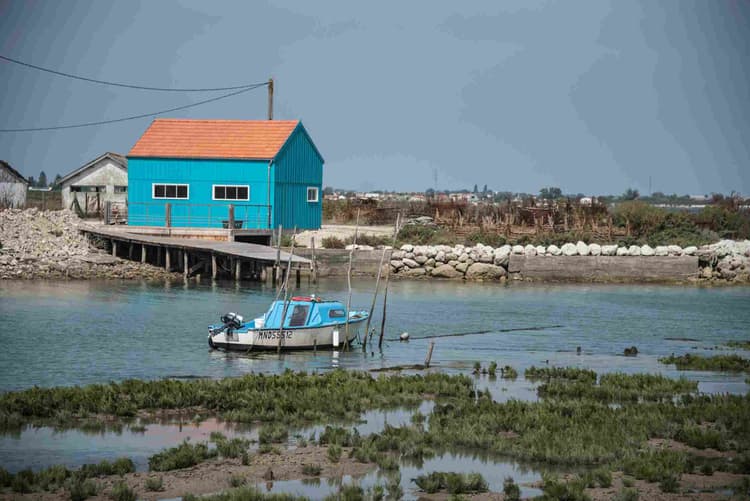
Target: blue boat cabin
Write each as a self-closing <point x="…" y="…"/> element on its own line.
<point x="247" y="174"/>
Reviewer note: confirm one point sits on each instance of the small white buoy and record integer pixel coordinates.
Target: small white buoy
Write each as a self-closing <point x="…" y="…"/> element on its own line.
<point x="404" y="336"/>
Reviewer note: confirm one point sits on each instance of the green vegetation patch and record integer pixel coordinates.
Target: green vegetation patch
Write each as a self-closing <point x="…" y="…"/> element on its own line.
<point x="722" y="363"/>
<point x="289" y="398"/>
<point x="618" y="387"/>
<point x="182" y="456"/>
<point x="454" y="483"/>
<point x="569" y="373"/>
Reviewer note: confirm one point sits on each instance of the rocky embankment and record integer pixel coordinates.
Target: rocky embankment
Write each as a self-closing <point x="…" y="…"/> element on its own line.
<point x="47" y="244"/>
<point x="726" y="260"/>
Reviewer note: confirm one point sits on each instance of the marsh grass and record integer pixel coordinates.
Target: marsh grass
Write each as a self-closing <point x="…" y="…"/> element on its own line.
<point x="454" y="483"/>
<point x="312" y="470"/>
<point x="334" y="453"/>
<point x="742" y="345"/>
<point x="626" y="494"/>
<point x="121" y="492"/>
<point x="246" y="493"/>
<point x="182" y="456"/>
<point x="80" y="489"/>
<point x="508" y="372"/>
<point x="288" y="398"/>
<point x="570" y="373"/>
<point x="154" y="484"/>
<point x="556" y="489"/>
<point x="511" y="491"/>
<point x="237" y="480"/>
<point x="618" y="388"/>
<point x="721" y="363"/>
<point x="656" y="465"/>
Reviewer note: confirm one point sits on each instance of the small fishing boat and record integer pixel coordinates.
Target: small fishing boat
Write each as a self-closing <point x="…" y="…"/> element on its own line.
<point x="310" y="322"/>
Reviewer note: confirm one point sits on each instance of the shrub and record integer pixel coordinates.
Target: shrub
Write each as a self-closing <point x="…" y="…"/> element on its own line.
<point x="121" y="492"/>
<point x="268" y="449"/>
<point x="80" y="489"/>
<point x="246" y="458"/>
<point x="603" y="477"/>
<point x="707" y="469"/>
<point x="52" y="477"/>
<point x="670" y="483"/>
<point x="491" y="238"/>
<point x="627" y="494"/>
<point x="313" y="470"/>
<point x="492" y="369"/>
<point x="386" y="462"/>
<point x="555" y="489"/>
<point x="273" y="433"/>
<point x="333" y="243"/>
<point x="628" y="481"/>
<point x="237" y="480"/>
<point x="334" y="453"/>
<point x="182" y="456"/>
<point x="511" y="490"/>
<point x="508" y="372"/>
<point x="154" y="484"/>
<point x="454" y="483"/>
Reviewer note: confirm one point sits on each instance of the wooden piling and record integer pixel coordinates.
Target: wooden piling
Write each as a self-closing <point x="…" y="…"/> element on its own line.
<point x="313" y="263"/>
<point x="349" y="283"/>
<point x="278" y="258"/>
<point x="238" y="270"/>
<point x="143" y="253"/>
<point x="429" y="354"/>
<point x="114" y="248"/>
<point x="185" y="264"/>
<point x="214" y="267"/>
<point x="130" y="249"/>
<point x="286" y="295"/>
<point x="387" y="281"/>
<point x="374" y="298"/>
<point x="167" y="259"/>
<point x="158" y="256"/>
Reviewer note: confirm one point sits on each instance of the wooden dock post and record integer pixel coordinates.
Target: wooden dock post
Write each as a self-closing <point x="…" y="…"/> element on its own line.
<point x="349" y="283"/>
<point x="238" y="270"/>
<point x="214" y="268"/>
<point x="167" y="259"/>
<point x="143" y="253"/>
<point x="387" y="280"/>
<point x="130" y="249"/>
<point x="374" y="299"/>
<point x="114" y="248"/>
<point x="158" y="256"/>
<point x="278" y="258"/>
<point x="313" y="264"/>
<point x="185" y="263"/>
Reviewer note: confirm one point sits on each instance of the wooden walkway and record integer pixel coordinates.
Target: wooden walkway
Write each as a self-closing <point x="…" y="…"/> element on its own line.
<point x="191" y="255"/>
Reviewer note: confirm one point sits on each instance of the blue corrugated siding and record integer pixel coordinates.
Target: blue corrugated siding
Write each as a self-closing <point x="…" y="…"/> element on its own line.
<point x="298" y="167"/>
<point x="199" y="210"/>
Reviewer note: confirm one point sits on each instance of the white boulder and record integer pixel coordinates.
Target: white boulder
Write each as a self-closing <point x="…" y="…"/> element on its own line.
<point x="554" y="250"/>
<point x="609" y="250"/>
<point x="569" y="249"/>
<point x="595" y="249"/>
<point x="634" y="250"/>
<point x="647" y="250"/>
<point x="582" y="248"/>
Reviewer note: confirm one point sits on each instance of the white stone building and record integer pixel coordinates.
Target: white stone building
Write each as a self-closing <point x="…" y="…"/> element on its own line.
<point x="13" y="187"/>
<point x="103" y="179"/>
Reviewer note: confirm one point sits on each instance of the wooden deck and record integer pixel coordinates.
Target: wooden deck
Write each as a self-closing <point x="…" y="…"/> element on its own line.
<point x="191" y="255"/>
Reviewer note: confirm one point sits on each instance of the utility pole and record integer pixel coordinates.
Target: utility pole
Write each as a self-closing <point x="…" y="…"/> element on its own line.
<point x="270" y="98"/>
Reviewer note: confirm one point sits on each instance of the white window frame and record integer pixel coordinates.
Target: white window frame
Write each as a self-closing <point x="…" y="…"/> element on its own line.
<point x="317" y="194"/>
<point x="153" y="191"/>
<point x="213" y="192"/>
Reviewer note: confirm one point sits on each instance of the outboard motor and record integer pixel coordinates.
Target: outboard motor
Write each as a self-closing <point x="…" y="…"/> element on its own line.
<point x="232" y="320"/>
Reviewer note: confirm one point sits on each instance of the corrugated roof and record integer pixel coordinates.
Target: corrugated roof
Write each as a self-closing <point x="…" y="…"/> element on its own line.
<point x="241" y="139"/>
<point x="115" y="157"/>
<point x="13" y="172"/>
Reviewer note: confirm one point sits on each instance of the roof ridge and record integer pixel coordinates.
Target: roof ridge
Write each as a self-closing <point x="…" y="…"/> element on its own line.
<point x="238" y="120"/>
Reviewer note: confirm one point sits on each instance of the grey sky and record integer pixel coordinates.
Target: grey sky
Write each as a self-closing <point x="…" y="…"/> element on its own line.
<point x="592" y="96"/>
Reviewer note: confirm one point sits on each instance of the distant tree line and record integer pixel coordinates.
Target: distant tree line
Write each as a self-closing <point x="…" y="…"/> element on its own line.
<point x="42" y="181"/>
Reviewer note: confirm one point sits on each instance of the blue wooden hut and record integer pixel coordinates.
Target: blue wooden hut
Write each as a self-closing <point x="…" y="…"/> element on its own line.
<point x="237" y="174"/>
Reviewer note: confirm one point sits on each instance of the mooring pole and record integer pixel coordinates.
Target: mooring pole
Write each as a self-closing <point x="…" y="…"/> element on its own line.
<point x="349" y="282"/>
<point x="429" y="354"/>
<point x="185" y="263"/>
<point x="374" y="298"/>
<point x="387" y="280"/>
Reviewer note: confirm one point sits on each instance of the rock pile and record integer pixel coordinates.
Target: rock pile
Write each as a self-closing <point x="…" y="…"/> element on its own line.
<point x="47" y="244"/>
<point x="727" y="260"/>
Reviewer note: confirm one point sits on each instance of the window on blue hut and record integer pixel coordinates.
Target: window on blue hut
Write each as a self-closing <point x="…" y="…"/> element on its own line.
<point x="299" y="315"/>
<point x="312" y="194"/>
<point x="337" y="313"/>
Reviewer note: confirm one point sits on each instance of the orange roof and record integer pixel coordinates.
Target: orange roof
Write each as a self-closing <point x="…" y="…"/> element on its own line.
<point x="184" y="138"/>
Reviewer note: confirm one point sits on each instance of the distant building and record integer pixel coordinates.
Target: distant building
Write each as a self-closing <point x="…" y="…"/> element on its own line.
<point x="90" y="186"/>
<point x="13" y="187"/>
<point x="268" y="171"/>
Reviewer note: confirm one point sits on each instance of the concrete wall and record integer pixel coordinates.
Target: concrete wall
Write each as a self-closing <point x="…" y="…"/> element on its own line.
<point x="605" y="268"/>
<point x="106" y="173"/>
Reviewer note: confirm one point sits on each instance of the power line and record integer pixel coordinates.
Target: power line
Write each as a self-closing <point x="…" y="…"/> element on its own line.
<point x="135" y="117"/>
<point x="117" y="84"/>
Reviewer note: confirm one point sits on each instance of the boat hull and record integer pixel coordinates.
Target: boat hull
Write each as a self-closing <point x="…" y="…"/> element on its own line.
<point x="305" y="338"/>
